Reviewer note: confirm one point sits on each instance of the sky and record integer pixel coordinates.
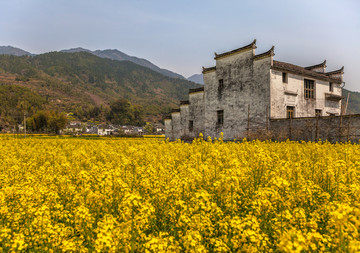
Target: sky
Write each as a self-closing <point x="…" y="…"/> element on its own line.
<point x="182" y="36"/>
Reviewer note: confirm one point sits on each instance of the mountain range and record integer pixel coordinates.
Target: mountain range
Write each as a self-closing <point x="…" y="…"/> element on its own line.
<point x="73" y="82"/>
<point x="78" y="79"/>
<point x="112" y="54"/>
<point x="115" y="54"/>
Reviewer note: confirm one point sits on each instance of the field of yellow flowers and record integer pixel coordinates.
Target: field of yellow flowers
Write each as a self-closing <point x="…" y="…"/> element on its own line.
<point x="150" y="195"/>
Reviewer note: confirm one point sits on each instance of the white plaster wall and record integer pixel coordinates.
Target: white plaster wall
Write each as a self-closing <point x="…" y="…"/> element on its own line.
<point x="168" y="129"/>
<point x="246" y="82"/>
<point x="303" y="107"/>
<point x="210" y="82"/>
<point x="197" y="113"/>
<point x="176" y="125"/>
<point x="184" y="119"/>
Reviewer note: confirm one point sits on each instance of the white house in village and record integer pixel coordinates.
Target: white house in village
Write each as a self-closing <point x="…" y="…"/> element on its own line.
<point x="244" y="85"/>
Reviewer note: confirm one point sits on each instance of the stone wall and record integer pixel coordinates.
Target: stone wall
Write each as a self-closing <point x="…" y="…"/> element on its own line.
<point x="331" y="128"/>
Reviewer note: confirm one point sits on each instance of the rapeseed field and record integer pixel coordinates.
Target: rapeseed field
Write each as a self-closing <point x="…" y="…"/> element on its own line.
<point x="147" y="195"/>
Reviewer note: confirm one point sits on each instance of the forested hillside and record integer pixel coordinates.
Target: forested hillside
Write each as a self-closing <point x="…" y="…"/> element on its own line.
<point x="81" y="82"/>
<point x="354" y="101"/>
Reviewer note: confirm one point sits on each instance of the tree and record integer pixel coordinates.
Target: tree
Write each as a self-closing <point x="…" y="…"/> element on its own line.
<point x="124" y="113"/>
<point x="138" y="115"/>
<point x="39" y="121"/>
<point x="57" y="121"/>
<point x="149" y="129"/>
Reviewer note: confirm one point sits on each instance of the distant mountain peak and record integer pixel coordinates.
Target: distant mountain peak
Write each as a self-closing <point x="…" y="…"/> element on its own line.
<point x="9" y="50"/>
<point x="76" y="50"/>
<point x="197" y="78"/>
<point x="115" y="54"/>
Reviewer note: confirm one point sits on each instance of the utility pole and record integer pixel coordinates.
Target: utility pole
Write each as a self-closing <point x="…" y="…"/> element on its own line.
<point x="347" y="102"/>
<point x="24" y="124"/>
<point x="248" y="123"/>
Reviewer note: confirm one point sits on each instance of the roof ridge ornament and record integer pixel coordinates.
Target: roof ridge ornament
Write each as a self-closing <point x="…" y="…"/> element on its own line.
<point x="252" y="45"/>
<point x="335" y="72"/>
<point x="320" y="65"/>
<point x="268" y="53"/>
<point x="254" y="42"/>
<point x="204" y="70"/>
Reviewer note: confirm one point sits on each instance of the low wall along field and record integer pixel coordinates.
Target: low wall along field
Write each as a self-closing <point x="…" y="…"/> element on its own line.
<point x="149" y="195"/>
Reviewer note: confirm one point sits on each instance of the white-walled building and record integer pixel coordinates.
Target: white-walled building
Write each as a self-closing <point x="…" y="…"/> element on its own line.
<point x="244" y="87"/>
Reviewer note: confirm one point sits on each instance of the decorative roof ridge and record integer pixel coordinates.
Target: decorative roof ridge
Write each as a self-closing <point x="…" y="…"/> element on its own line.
<point x="265" y="54"/>
<point x="196" y="90"/>
<point x="184" y="102"/>
<point x="302" y="71"/>
<point x="335" y="72"/>
<point x="175" y="110"/>
<point x="323" y="65"/>
<point x="252" y="45"/>
<point x="205" y="70"/>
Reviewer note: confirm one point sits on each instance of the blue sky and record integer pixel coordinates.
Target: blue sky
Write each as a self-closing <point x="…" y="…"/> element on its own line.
<point x="182" y="36"/>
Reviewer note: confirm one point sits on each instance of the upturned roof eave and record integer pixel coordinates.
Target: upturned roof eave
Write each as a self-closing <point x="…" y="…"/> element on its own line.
<point x="252" y="45"/>
<point x="320" y="65"/>
<point x="294" y="69"/>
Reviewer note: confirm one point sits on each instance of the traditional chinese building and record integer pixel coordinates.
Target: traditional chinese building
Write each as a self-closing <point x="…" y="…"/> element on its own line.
<point x="244" y="86"/>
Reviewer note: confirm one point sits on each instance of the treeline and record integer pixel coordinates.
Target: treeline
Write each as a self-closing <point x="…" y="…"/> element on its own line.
<point x="38" y="119"/>
<point x="47" y="121"/>
<point x="120" y="112"/>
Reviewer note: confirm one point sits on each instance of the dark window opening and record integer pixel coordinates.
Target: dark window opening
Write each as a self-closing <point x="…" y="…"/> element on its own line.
<point x="284" y="77"/>
<point x="191" y="125"/>
<point x="221" y="83"/>
<point x="220" y="117"/>
<point x="318" y="113"/>
<point x="331" y="87"/>
<point x="290" y="112"/>
<point x="309" y="88"/>
<point x="221" y="86"/>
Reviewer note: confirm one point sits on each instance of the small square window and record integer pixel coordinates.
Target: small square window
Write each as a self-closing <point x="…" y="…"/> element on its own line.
<point x="220" y="117"/>
<point x="290" y="112"/>
<point x="284" y="77"/>
<point x="318" y="113"/>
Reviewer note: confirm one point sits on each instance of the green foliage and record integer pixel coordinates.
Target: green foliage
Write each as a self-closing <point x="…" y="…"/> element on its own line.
<point x="47" y="121"/>
<point x="84" y="84"/>
<point x="38" y="122"/>
<point x="124" y="113"/>
<point x="57" y="121"/>
<point x="149" y="129"/>
<point x="354" y="101"/>
<point x="22" y="78"/>
<point x="14" y="99"/>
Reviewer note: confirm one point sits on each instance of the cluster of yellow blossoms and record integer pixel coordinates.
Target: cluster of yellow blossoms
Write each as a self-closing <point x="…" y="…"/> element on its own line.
<point x="136" y="195"/>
